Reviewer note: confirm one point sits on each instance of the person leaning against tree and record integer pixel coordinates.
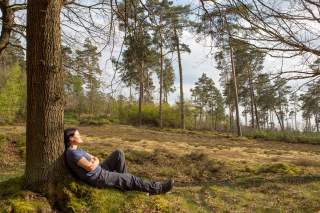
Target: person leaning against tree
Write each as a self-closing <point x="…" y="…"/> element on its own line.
<point x="112" y="172"/>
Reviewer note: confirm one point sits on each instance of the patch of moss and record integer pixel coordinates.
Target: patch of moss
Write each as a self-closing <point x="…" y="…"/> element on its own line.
<point x="21" y="205"/>
<point x="278" y="168"/>
<point x="72" y="196"/>
<point x="107" y="200"/>
<point x="14" y="199"/>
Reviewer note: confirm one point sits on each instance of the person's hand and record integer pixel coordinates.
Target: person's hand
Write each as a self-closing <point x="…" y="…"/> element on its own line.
<point x="95" y="160"/>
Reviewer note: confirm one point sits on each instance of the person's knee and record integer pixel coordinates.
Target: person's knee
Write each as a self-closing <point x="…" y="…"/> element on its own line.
<point x="119" y="152"/>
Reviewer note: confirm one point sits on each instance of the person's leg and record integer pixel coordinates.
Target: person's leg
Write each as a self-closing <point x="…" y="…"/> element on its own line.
<point x="126" y="181"/>
<point x="115" y="162"/>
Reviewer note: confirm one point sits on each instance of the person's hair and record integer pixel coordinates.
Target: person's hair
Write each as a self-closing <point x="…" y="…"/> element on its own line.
<point x="69" y="132"/>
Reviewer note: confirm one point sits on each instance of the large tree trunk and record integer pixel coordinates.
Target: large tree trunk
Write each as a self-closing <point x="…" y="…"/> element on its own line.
<point x="45" y="96"/>
<point x="182" y="123"/>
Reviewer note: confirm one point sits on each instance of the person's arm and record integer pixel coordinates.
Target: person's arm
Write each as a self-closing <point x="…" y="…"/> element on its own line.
<point x="92" y="157"/>
<point x="88" y="165"/>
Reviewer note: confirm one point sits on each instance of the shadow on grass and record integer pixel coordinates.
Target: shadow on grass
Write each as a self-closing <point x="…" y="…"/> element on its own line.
<point x="10" y="187"/>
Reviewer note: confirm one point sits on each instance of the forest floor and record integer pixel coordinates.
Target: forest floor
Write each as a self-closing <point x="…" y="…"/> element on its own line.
<point x="213" y="172"/>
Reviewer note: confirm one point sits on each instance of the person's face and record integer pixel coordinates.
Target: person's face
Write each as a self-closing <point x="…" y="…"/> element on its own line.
<point x="76" y="138"/>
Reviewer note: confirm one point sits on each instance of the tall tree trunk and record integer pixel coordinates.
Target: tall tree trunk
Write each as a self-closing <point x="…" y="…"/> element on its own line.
<point x="245" y="117"/>
<point x="309" y="124"/>
<point x="165" y="97"/>
<point x="234" y="76"/>
<point x="200" y="120"/>
<point x="295" y="119"/>
<point x="215" y="121"/>
<point x="279" y="118"/>
<point x="253" y="102"/>
<point x="235" y="91"/>
<point x="211" y="112"/>
<point x="182" y="124"/>
<point x="141" y="91"/>
<point x="231" y="118"/>
<point x="251" y="99"/>
<point x="7" y="24"/>
<point x="91" y="94"/>
<point x="161" y="80"/>
<point x="316" y="121"/>
<point x="256" y="111"/>
<point x="130" y="94"/>
<point x="45" y="96"/>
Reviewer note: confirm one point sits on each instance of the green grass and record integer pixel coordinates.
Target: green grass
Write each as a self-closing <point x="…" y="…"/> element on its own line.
<point x="286" y="136"/>
<point x="70" y="118"/>
<point x="205" y="182"/>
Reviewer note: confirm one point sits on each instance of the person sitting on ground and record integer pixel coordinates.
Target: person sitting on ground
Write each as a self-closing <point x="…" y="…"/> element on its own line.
<point x="111" y="172"/>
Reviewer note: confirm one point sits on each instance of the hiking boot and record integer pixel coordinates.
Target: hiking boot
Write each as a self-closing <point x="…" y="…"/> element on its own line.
<point x="162" y="187"/>
<point x="166" y="186"/>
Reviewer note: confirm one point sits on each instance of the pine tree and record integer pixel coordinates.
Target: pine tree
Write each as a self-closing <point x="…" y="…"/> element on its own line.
<point x="87" y="60"/>
<point x="178" y="21"/>
<point x="206" y="97"/>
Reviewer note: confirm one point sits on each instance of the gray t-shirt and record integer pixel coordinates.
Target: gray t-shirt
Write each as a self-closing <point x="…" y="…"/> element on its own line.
<point x="73" y="156"/>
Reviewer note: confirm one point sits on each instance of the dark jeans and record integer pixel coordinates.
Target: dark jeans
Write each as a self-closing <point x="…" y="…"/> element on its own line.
<point x="114" y="173"/>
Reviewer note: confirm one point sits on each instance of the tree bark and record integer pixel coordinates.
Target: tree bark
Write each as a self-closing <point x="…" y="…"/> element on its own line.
<point x="251" y="99"/>
<point x="141" y="91"/>
<point x="45" y="96"/>
<point x="279" y="118"/>
<point x="256" y="111"/>
<point x="234" y="78"/>
<point x="7" y="24"/>
<point x="316" y="121"/>
<point x="161" y="80"/>
<point x="182" y="123"/>
<point x="235" y="92"/>
<point x="211" y="112"/>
